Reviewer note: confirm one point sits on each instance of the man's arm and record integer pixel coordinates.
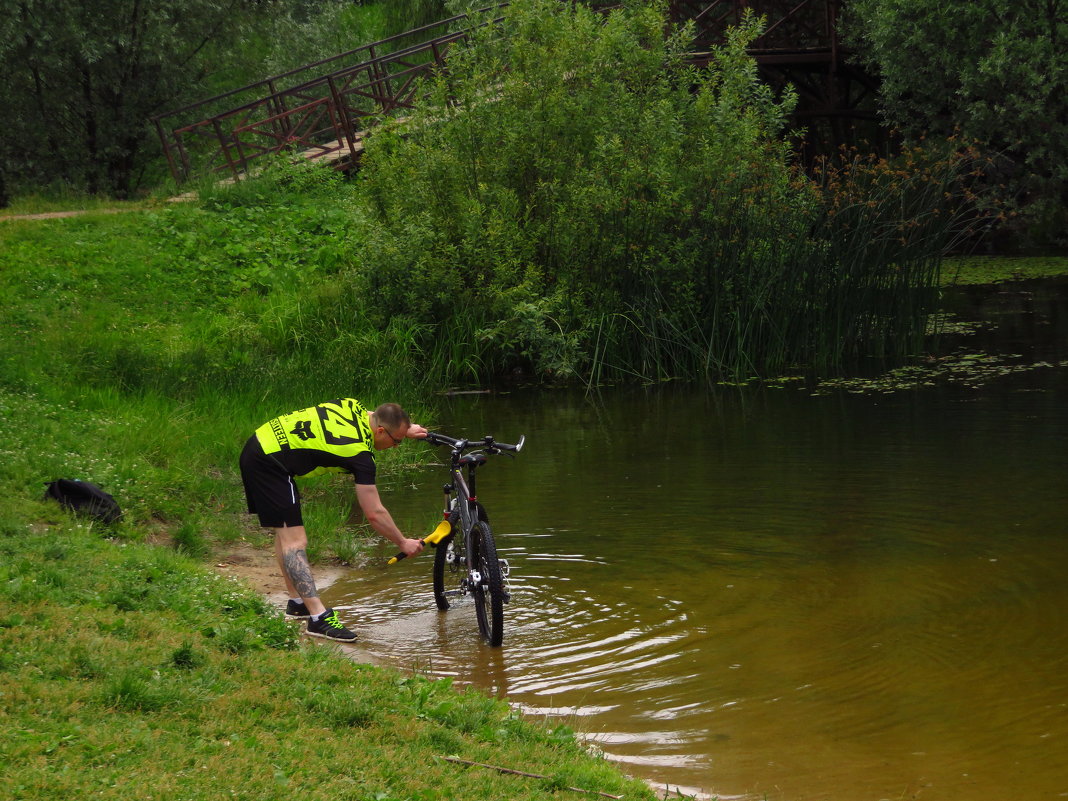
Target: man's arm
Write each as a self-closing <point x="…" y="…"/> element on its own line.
<point x="382" y="521"/>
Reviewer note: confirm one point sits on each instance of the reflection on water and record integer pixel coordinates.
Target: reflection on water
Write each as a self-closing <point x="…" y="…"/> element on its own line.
<point x="763" y="593"/>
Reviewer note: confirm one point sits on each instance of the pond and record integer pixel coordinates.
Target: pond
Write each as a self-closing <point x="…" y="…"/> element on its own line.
<point x="788" y="593"/>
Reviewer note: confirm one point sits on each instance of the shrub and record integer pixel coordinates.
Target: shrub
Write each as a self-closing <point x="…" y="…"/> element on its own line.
<point x="574" y="199"/>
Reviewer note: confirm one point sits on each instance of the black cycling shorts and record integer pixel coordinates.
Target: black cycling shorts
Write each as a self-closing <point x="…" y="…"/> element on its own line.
<point x="270" y="490"/>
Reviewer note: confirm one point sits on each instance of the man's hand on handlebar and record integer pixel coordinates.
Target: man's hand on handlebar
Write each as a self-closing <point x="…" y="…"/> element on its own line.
<point x="416" y="431"/>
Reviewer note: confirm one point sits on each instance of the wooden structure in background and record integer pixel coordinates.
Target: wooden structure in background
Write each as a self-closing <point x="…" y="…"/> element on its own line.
<point x="801" y="46"/>
<point x="323" y="110"/>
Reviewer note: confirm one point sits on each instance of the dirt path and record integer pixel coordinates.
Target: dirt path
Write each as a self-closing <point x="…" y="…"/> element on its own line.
<point x="258" y="568"/>
<point x="53" y="215"/>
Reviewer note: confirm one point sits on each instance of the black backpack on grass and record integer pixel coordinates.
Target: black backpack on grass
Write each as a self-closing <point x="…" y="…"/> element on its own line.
<point x="84" y="498"/>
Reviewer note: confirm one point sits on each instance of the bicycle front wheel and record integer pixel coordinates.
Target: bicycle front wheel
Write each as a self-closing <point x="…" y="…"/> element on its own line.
<point x="443" y="558"/>
<point x="489" y="593"/>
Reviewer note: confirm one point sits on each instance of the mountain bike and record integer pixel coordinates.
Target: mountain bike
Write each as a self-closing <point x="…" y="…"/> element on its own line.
<point x="465" y="560"/>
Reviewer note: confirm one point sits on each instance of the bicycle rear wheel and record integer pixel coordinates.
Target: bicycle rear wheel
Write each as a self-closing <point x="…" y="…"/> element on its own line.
<point x="489" y="594"/>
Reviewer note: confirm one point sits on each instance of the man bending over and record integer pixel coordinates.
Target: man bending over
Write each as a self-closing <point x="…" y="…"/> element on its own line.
<point x="334" y="436"/>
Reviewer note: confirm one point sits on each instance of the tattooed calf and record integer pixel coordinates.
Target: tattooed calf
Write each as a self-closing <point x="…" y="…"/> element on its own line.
<point x="299" y="571"/>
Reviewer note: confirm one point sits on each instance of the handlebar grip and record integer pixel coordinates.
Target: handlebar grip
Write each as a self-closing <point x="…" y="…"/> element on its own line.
<point x="516" y="448"/>
<point x="437" y="535"/>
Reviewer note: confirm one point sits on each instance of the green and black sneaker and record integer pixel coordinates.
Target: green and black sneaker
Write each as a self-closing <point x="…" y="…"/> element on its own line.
<point x="330" y="628"/>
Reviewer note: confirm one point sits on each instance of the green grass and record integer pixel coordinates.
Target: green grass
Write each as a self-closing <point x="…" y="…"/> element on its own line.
<point x="128" y="670"/>
<point x="965" y="270"/>
<point x="140" y="350"/>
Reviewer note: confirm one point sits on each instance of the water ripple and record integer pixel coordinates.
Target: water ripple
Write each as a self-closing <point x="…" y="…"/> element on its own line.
<point x="787" y="623"/>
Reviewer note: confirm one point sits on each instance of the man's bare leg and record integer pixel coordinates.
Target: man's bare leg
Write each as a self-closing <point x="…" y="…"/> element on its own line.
<point x="291" y="550"/>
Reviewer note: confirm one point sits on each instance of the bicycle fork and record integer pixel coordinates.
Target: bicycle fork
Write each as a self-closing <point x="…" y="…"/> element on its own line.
<point x="455" y="560"/>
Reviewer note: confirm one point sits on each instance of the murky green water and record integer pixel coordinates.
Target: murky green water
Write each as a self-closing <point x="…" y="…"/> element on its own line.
<point x="759" y="592"/>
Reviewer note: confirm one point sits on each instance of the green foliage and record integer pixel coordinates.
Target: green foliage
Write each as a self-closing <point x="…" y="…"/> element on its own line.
<point x="87" y="78"/>
<point x="405" y="15"/>
<point x="528" y="201"/>
<point x="305" y="32"/>
<point x="275" y="232"/>
<point x="995" y="71"/>
<point x="882" y="229"/>
<point x="573" y="201"/>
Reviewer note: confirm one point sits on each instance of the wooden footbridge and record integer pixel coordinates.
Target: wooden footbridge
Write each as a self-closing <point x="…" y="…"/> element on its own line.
<point x="322" y="111"/>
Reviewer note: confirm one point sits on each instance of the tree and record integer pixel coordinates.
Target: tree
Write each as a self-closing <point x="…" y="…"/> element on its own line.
<point x="82" y="78"/>
<point x="994" y="71"/>
<point x="405" y="15"/>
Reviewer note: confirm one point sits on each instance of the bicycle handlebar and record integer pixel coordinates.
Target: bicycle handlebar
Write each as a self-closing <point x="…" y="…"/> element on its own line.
<point x="462" y="445"/>
<point x="459" y="446"/>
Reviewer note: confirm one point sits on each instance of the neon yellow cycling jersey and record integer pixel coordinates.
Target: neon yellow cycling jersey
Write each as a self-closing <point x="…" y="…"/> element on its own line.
<point x="324" y="438"/>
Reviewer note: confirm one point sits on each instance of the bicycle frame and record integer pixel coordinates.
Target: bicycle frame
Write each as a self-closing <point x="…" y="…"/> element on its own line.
<point x="467" y="454"/>
<point x="460" y="492"/>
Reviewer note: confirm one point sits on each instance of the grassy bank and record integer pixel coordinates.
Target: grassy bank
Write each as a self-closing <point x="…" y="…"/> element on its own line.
<point x="141" y="349"/>
<point x="138" y="351"/>
<point x="130" y="671"/>
<point x="966" y="270"/>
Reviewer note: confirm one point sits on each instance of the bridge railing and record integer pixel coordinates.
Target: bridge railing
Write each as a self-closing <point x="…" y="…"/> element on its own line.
<point x="325" y="108"/>
<point x="318" y="117"/>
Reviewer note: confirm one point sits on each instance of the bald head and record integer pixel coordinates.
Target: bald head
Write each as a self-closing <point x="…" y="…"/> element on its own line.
<point x="392" y="415"/>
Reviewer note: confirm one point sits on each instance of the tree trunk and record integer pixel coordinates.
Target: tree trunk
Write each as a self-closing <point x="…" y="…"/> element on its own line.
<point x="90" y="134"/>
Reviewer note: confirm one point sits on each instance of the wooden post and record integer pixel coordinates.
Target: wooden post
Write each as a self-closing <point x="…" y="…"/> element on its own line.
<point x="167" y="150"/>
<point x="342" y="117"/>
<point x="225" y="147"/>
